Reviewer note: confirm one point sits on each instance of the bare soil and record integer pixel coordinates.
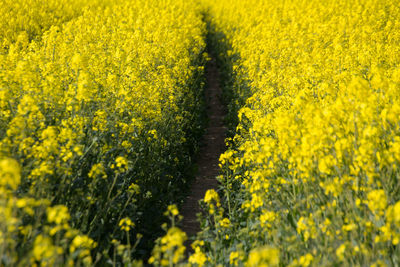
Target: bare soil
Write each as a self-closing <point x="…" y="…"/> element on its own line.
<point x="207" y="162"/>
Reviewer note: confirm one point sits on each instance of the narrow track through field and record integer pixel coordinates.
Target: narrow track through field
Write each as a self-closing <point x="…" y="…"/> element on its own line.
<point x="213" y="146"/>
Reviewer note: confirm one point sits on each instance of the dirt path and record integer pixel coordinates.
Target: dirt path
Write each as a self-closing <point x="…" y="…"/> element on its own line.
<point x="213" y="146"/>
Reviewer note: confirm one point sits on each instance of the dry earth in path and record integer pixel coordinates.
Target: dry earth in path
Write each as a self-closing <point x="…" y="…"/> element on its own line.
<point x="213" y="146"/>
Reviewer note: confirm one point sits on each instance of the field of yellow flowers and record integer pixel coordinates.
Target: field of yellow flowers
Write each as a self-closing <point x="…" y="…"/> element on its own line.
<point x="312" y="174"/>
<point x="100" y="109"/>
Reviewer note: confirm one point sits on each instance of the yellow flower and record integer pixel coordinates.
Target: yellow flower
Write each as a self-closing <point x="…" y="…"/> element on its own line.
<point x="393" y="213"/>
<point x="225" y="223"/>
<point x="233" y="258"/>
<point x="134" y="188"/>
<point x="256" y="201"/>
<point x="301" y="224"/>
<point x="58" y="214"/>
<point x="76" y="61"/>
<point x="10" y="173"/>
<point x="198" y="257"/>
<point x="121" y="164"/>
<point x="267" y="217"/>
<point x="377" y="200"/>
<point x="349" y="227"/>
<point x="82" y="242"/>
<point x="169" y="249"/>
<point x="97" y="170"/>
<point x="210" y="196"/>
<point x="263" y="256"/>
<point x="44" y="250"/>
<point x="174" y="238"/>
<point x="197" y="243"/>
<point x="153" y="133"/>
<point x="340" y="251"/>
<point x="172" y="210"/>
<point x="306" y="260"/>
<point x="125" y="224"/>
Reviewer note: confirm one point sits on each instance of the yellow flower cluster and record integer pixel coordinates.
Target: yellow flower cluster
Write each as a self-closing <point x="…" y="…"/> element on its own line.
<point x="171" y="249"/>
<point x="314" y="167"/>
<point x="100" y="104"/>
<point x="263" y="257"/>
<point x="198" y="258"/>
<point x="25" y="20"/>
<point x="10" y="175"/>
<point x="40" y="226"/>
<point x="126" y="224"/>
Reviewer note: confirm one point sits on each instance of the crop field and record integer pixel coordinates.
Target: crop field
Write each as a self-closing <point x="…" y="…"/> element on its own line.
<point x="98" y="118"/>
<point x="103" y="105"/>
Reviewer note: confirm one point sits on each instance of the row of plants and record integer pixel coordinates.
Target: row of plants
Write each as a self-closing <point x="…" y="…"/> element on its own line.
<point x="100" y="113"/>
<point x="311" y="176"/>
